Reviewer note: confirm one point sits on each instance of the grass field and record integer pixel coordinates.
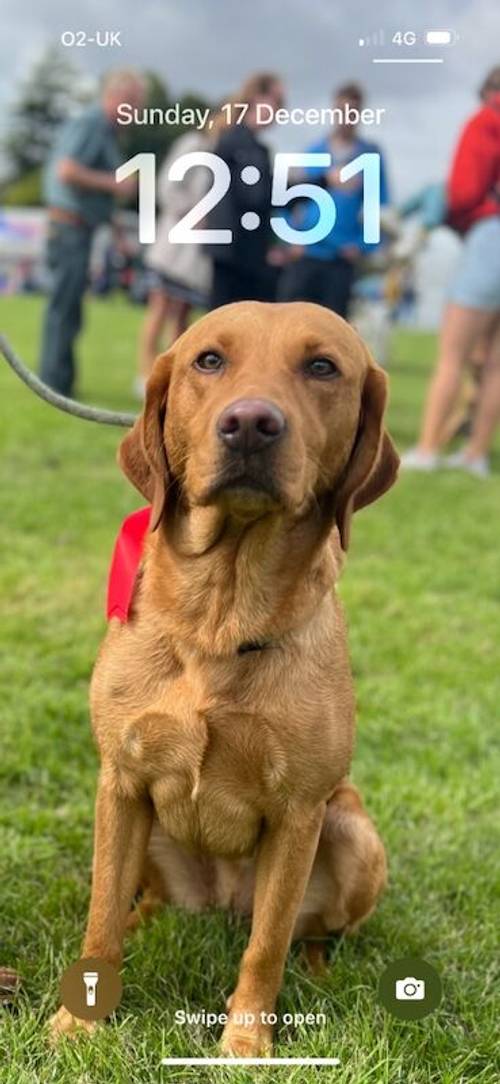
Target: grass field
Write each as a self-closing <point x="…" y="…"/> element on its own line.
<point x="422" y="592"/>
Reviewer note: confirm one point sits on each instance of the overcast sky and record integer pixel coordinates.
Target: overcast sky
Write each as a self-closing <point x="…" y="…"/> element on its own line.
<point x="209" y="45"/>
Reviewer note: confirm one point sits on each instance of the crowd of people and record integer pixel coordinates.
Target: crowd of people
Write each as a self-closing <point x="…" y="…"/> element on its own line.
<point x="80" y="188"/>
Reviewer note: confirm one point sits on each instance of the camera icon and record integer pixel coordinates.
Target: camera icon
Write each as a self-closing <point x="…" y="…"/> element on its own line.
<point x="410" y="989"/>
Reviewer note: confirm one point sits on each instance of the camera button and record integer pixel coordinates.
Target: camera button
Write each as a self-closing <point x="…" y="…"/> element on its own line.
<point x="410" y="988"/>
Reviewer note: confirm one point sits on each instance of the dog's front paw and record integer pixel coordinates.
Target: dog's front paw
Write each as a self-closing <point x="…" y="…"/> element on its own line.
<point x="245" y="1036"/>
<point x="64" y="1023"/>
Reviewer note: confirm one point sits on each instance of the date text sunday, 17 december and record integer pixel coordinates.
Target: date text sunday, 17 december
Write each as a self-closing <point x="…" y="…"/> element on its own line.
<point x="234" y="113"/>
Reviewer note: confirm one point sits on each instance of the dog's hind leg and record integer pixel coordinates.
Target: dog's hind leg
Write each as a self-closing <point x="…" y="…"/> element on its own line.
<point x="153" y="896"/>
<point x="314" y="946"/>
<point x="171" y="874"/>
<point x="348" y="874"/>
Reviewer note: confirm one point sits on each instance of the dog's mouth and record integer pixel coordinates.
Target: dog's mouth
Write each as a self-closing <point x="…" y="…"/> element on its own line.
<point x="243" y="484"/>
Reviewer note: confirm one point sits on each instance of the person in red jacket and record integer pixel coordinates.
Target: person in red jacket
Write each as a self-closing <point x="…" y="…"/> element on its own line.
<point x="472" y="314"/>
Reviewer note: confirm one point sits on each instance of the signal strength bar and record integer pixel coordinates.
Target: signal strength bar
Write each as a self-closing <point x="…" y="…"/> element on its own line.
<point x="375" y="39"/>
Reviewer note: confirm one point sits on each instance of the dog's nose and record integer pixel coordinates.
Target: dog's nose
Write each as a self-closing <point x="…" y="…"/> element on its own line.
<point x="250" y="425"/>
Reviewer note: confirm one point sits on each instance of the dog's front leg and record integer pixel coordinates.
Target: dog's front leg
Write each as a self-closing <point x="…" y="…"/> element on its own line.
<point x="122" y="828"/>
<point x="284" y="861"/>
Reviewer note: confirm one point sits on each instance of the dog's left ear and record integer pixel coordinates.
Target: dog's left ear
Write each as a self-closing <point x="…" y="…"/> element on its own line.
<point x="374" y="461"/>
<point x="141" y="454"/>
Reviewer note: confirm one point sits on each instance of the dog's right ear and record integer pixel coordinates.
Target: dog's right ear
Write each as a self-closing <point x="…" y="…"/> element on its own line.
<point x="141" y="454"/>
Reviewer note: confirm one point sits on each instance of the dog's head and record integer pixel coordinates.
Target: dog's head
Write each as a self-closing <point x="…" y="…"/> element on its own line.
<point x="260" y="407"/>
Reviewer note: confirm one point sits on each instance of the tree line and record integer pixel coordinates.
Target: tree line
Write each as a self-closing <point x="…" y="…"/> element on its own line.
<point x="53" y="90"/>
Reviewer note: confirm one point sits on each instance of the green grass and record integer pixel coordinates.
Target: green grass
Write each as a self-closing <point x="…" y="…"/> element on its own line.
<point x="422" y="595"/>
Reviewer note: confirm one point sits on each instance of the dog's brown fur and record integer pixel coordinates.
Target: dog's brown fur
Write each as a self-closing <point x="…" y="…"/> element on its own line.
<point x="224" y="775"/>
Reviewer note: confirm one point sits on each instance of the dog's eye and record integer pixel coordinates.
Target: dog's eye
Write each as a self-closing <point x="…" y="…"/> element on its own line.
<point x="209" y="362"/>
<point x="321" y="368"/>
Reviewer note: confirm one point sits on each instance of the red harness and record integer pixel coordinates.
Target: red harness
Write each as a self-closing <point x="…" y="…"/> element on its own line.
<point x="125" y="563"/>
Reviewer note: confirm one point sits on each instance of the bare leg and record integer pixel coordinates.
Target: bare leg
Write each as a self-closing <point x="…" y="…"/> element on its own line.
<point x="180" y="311"/>
<point x="284" y="863"/>
<point x="488" y="407"/>
<point x="122" y="828"/>
<point x="161" y="309"/>
<point x="157" y="313"/>
<point x="461" y="329"/>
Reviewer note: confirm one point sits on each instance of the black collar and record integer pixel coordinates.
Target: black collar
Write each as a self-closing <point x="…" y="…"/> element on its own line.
<point x="251" y="645"/>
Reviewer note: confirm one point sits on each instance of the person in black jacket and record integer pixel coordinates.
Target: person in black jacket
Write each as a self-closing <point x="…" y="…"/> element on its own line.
<point x="241" y="271"/>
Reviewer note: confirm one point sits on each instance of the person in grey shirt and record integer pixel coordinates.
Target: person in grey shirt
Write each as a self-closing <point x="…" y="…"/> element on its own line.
<point x="79" y="188"/>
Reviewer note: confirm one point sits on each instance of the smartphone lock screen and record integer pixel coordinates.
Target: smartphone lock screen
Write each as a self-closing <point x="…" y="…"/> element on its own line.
<point x="249" y="541"/>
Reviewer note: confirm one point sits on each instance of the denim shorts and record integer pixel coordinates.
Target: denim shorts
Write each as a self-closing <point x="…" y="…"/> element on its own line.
<point x="476" y="282"/>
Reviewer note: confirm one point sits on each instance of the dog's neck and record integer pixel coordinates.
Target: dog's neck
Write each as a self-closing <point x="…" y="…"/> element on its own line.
<point x="220" y="581"/>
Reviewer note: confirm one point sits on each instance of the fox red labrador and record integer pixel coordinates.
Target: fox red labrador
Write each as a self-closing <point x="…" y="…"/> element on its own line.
<point x="223" y="708"/>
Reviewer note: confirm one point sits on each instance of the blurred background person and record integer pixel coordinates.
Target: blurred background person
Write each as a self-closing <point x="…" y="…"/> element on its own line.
<point x="471" y="320"/>
<point x="180" y="274"/>
<point x="79" y="189"/>
<point x="241" y="270"/>
<point x="324" y="272"/>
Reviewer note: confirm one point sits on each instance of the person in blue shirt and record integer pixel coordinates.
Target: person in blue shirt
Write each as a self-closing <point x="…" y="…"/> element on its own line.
<point x="79" y="189"/>
<point x="324" y="272"/>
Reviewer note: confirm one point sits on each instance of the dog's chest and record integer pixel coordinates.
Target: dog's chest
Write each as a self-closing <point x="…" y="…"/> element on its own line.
<point x="218" y="793"/>
<point x="214" y="768"/>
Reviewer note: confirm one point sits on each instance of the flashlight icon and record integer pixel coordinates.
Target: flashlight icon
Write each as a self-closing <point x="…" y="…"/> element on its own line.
<point x="90" y="978"/>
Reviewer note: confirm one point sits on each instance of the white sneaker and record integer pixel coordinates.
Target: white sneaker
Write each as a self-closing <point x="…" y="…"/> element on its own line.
<point x="479" y="465"/>
<point x="414" y="459"/>
<point x="139" y="387"/>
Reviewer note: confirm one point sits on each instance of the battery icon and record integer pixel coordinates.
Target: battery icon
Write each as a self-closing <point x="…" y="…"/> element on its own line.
<point x="439" y="37"/>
